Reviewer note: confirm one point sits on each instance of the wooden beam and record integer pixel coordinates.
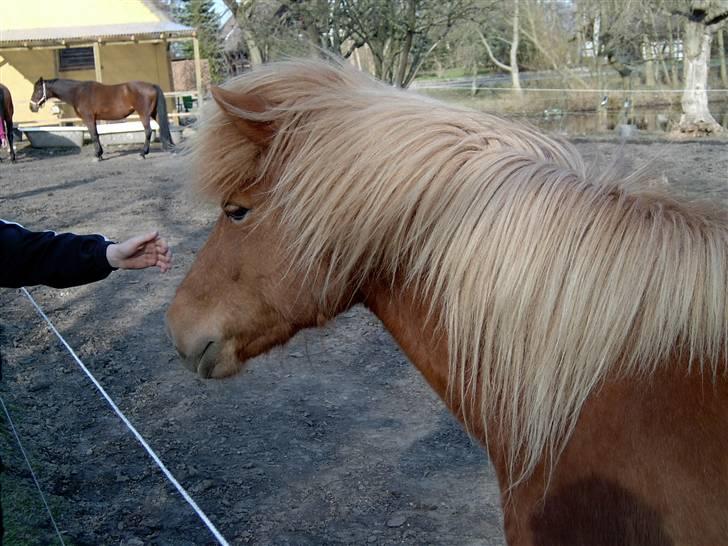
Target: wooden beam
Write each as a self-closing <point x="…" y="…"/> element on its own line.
<point x="63" y="44"/>
<point x="198" y="71"/>
<point x="97" y="61"/>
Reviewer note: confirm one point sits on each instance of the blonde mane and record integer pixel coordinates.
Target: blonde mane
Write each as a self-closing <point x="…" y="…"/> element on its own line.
<point x="547" y="278"/>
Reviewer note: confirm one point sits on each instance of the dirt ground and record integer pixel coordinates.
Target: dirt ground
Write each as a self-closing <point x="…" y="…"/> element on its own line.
<point x="331" y="439"/>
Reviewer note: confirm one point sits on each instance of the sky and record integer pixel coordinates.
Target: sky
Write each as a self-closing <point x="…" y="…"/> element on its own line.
<point x="220" y="7"/>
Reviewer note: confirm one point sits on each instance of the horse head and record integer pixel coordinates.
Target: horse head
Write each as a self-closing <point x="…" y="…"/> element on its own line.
<point x="39" y="96"/>
<point x="242" y="296"/>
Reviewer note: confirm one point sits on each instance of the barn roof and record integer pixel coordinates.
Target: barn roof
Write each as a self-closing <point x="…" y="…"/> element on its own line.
<point x="95" y="32"/>
<point x="76" y="22"/>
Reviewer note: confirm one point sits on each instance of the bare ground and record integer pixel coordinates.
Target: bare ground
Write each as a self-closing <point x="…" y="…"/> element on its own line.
<point x="331" y="439"/>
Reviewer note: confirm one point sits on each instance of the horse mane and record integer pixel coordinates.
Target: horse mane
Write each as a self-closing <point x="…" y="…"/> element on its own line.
<point x="547" y="278"/>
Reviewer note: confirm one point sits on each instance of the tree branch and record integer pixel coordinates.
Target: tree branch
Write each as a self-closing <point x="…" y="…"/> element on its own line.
<point x="490" y="53"/>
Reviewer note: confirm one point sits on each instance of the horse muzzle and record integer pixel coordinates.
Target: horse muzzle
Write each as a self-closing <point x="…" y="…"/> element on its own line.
<point x="206" y="355"/>
<point x="198" y="356"/>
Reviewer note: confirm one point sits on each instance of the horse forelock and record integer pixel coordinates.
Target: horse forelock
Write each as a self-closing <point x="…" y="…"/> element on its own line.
<point x="545" y="277"/>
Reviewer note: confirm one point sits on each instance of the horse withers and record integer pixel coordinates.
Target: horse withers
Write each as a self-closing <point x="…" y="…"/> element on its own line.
<point x="6" y="121"/>
<point x="575" y="323"/>
<point x="95" y="101"/>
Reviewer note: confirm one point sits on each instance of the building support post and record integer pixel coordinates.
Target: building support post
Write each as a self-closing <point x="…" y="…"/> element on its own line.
<point x="97" y="61"/>
<point x="198" y="71"/>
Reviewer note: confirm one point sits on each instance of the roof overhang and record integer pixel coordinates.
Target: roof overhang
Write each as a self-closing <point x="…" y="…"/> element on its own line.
<point x="62" y="37"/>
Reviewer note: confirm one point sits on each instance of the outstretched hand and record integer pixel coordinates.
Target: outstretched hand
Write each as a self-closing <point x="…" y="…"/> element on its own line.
<point x="140" y="252"/>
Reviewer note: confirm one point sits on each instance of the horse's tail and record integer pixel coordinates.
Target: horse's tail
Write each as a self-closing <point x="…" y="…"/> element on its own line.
<point x="164" y="135"/>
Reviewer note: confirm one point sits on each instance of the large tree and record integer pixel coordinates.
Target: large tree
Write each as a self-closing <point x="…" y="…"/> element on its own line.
<point x="244" y="12"/>
<point x="401" y="34"/>
<point x="512" y="42"/>
<point x="702" y="18"/>
<point x="201" y="15"/>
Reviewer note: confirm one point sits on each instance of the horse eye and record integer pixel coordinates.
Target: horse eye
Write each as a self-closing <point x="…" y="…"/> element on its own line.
<point x="236" y="214"/>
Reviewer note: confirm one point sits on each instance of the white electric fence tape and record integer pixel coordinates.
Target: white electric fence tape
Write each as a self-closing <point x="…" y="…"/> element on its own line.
<point x="128" y="424"/>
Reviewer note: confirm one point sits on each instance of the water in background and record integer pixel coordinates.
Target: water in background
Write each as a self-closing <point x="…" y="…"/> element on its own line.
<point x="648" y="119"/>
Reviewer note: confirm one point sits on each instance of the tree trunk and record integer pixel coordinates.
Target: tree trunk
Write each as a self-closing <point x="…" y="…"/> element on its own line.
<point x="696" y="117"/>
<point x="407" y="46"/>
<point x="721" y="56"/>
<point x="673" y="53"/>
<point x="665" y="71"/>
<point x="254" y="55"/>
<point x="515" y="75"/>
<point x="474" y="82"/>
<point x="513" y="66"/>
<point x="241" y="12"/>
<point x="647" y="55"/>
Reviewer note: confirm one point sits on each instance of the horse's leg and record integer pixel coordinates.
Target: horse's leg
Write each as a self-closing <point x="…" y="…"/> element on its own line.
<point x="91" y="124"/>
<point x="147" y="135"/>
<point x="9" y="127"/>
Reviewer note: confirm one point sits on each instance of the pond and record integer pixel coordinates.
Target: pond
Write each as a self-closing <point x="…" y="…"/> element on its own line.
<point x="646" y="118"/>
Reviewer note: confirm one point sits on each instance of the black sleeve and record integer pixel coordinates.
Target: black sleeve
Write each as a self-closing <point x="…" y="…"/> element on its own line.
<point x="58" y="260"/>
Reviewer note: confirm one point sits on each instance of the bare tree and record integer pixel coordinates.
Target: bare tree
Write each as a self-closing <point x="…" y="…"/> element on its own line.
<point x="721" y="57"/>
<point x="243" y="11"/>
<point x="401" y="34"/>
<point x="548" y="27"/>
<point x="325" y="24"/>
<point x="512" y="66"/>
<point x="702" y="18"/>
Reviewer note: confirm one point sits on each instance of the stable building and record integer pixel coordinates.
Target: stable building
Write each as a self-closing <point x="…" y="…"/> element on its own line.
<point x="109" y="41"/>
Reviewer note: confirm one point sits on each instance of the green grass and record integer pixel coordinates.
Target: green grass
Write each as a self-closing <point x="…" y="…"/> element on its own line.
<point x="25" y="518"/>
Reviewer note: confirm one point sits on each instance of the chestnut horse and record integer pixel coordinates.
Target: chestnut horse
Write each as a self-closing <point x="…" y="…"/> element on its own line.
<point x="574" y="322"/>
<point x="6" y="121"/>
<point x="95" y="101"/>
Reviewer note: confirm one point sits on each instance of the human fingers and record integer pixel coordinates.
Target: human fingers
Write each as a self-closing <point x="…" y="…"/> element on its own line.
<point x="164" y="260"/>
<point x="139" y="241"/>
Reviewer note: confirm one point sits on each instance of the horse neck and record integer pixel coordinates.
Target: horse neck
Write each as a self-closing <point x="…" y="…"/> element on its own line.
<point x="405" y="315"/>
<point x="61" y="89"/>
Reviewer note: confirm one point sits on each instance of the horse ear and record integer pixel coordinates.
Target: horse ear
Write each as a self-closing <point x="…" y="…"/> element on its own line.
<point x="236" y="106"/>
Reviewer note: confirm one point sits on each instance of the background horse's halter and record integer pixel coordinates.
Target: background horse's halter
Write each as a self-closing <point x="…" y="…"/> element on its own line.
<point x="42" y="100"/>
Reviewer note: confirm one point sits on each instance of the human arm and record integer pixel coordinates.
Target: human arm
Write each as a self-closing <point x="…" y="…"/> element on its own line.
<point x="59" y="260"/>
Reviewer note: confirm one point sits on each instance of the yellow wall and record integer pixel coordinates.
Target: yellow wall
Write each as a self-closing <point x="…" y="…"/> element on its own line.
<point x="19" y="73"/>
<point x="20" y="69"/>
<point x="119" y="63"/>
<point x="21" y="14"/>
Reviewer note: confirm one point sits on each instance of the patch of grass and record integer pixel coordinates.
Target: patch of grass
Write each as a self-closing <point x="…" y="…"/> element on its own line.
<point x="448" y="73"/>
<point x="25" y="518"/>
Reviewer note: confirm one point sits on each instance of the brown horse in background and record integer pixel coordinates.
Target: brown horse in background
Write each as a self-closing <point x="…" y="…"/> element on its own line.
<point x="6" y="120"/>
<point x="94" y="101"/>
<point x="575" y="323"/>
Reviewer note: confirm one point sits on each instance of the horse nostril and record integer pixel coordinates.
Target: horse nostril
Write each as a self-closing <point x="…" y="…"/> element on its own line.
<point x="206" y="359"/>
<point x="209" y="343"/>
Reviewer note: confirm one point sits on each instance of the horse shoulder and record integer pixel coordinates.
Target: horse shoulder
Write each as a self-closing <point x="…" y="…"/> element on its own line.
<point x="647" y="465"/>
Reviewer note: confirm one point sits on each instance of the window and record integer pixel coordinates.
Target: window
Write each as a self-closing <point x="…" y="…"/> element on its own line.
<point x="76" y="58"/>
